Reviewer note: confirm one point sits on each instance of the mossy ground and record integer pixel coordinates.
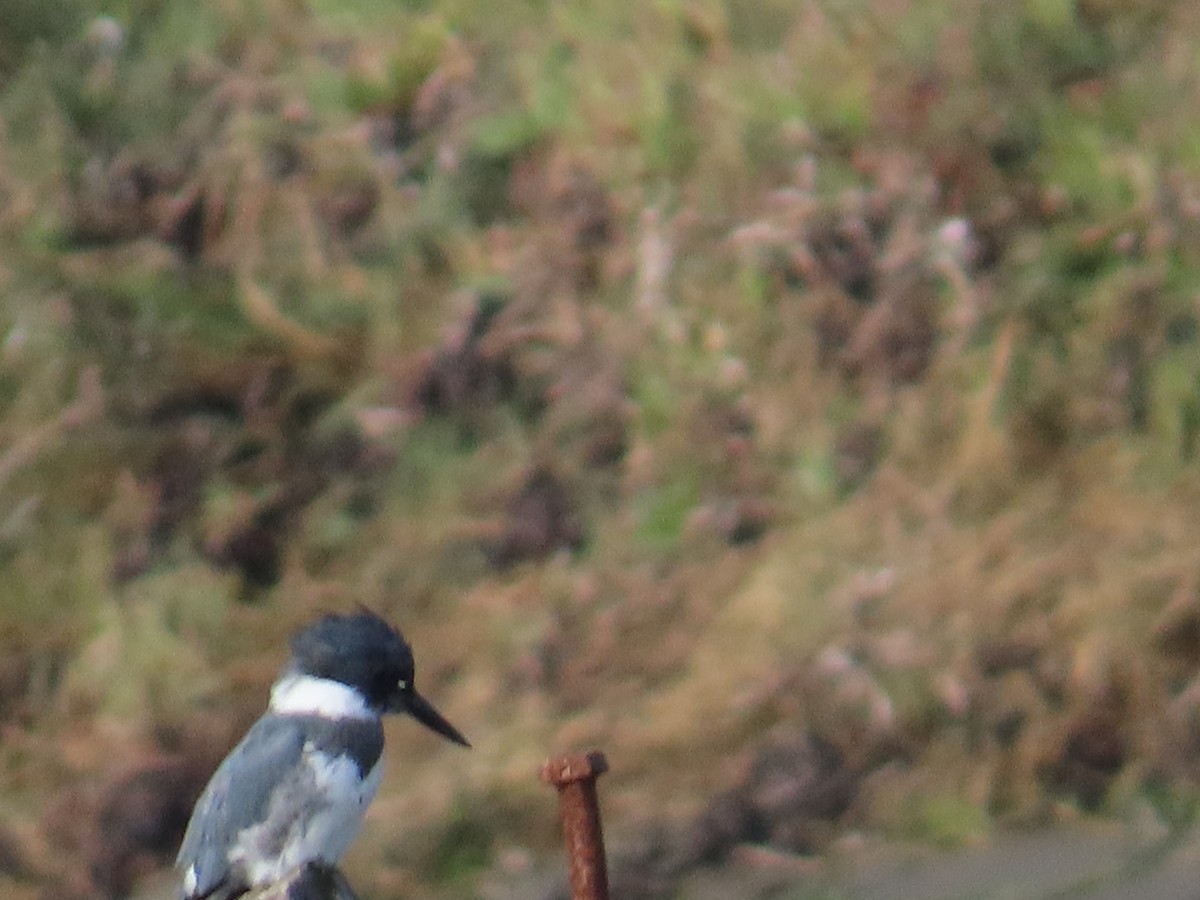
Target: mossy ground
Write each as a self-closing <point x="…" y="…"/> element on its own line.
<point x="675" y="374"/>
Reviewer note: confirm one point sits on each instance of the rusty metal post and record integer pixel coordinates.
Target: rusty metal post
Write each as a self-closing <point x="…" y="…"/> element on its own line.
<point x="575" y="777"/>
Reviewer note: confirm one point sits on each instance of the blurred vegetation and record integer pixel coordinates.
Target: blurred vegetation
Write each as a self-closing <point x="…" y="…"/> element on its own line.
<point x="688" y="379"/>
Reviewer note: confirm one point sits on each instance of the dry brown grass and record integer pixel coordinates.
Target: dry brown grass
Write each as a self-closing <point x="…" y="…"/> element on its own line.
<point x="680" y="377"/>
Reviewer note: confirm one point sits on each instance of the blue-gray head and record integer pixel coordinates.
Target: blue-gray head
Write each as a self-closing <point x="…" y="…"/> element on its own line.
<point x="365" y="653"/>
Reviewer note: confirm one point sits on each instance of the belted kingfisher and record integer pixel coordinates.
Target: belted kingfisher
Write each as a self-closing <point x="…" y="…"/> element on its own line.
<point x="295" y="789"/>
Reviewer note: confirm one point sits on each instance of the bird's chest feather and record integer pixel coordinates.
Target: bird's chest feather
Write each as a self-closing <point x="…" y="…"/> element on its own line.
<point x="313" y="814"/>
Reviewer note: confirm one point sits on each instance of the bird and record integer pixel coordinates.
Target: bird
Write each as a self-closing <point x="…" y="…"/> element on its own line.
<point x="293" y="792"/>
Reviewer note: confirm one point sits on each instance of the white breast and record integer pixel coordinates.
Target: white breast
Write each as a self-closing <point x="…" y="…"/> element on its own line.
<point x="313" y="816"/>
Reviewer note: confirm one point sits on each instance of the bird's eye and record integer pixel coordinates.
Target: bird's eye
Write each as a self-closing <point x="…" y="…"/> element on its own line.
<point x="402" y="684"/>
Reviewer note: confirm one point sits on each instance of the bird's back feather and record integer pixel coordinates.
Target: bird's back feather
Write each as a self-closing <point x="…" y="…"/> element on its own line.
<point x="275" y="774"/>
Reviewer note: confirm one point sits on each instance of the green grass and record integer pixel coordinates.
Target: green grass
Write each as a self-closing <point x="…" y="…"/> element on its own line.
<point x="716" y="229"/>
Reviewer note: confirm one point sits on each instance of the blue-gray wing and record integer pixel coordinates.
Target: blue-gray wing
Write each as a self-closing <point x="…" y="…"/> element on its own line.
<point x="237" y="797"/>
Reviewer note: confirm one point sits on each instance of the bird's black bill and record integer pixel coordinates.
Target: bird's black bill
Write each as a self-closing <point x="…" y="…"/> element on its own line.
<point x="422" y="710"/>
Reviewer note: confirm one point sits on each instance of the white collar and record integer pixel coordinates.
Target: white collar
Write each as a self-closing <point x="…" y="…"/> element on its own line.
<point x="300" y="695"/>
